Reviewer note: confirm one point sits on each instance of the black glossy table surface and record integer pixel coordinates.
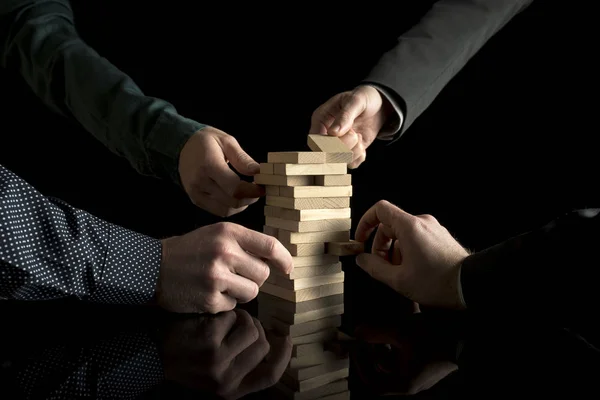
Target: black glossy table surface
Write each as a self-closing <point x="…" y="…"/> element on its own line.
<point x="71" y="350"/>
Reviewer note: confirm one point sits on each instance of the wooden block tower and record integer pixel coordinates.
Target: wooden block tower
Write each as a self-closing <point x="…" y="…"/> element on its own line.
<point x="308" y="210"/>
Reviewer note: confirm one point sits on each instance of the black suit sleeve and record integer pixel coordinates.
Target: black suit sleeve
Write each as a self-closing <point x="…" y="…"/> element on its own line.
<point x="38" y="40"/>
<point x="550" y="271"/>
<point x="431" y="53"/>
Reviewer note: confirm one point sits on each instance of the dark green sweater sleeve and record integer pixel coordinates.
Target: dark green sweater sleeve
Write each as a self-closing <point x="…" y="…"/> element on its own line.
<point x="39" y="41"/>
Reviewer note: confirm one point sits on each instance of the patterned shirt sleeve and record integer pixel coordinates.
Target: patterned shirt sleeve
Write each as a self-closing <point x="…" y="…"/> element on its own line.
<point x="50" y="250"/>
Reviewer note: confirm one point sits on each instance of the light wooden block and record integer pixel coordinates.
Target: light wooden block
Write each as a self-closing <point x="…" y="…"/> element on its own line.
<point x="302" y="374"/>
<point x="272" y="190"/>
<point x="296" y="157"/>
<point x="271" y="231"/>
<point x="310" y="169"/>
<point x="266" y="168"/>
<point x="301" y="350"/>
<point x="311" y="261"/>
<point x="315" y="382"/>
<point x="339" y="387"/>
<point x="336" y="150"/>
<point x="338" y="396"/>
<point x="298" y="318"/>
<point x="305" y="328"/>
<point x="291" y="307"/>
<point x="303" y="283"/>
<point x="323" y="336"/>
<point x="305" y="249"/>
<point x="302" y="295"/>
<point x="312" y="203"/>
<point x="315" y="191"/>
<point x="283" y="180"/>
<point x="333" y="180"/>
<point x="324" y="225"/>
<point x="308" y="272"/>
<point x="307" y="215"/>
<point x="349" y="248"/>
<point x="285" y="236"/>
<point x="312" y="359"/>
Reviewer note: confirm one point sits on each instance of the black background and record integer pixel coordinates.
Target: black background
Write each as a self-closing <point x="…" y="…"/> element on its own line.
<point x="508" y="145"/>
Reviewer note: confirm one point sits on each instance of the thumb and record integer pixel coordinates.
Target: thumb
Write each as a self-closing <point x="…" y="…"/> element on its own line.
<point x="239" y="159"/>
<point x="380" y="269"/>
<point x="351" y="107"/>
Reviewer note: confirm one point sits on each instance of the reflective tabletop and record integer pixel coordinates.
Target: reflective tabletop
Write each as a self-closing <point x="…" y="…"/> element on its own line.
<point x="73" y="350"/>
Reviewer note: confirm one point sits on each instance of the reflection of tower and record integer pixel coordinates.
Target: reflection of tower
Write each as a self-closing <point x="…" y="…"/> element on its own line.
<point x="308" y="210"/>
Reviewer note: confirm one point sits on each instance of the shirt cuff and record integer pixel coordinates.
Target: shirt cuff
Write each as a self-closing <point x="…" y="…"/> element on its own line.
<point x="131" y="268"/>
<point x="394" y="124"/>
<point x="166" y="140"/>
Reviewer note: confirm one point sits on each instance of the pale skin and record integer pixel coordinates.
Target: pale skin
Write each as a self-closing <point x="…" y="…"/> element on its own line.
<point x="425" y="261"/>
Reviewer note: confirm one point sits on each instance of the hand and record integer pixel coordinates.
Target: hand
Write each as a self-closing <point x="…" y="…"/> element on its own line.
<point x="216" y="266"/>
<point x="228" y="354"/>
<point x="425" y="261"/>
<point x="356" y="117"/>
<point x="207" y="178"/>
<point x="401" y="361"/>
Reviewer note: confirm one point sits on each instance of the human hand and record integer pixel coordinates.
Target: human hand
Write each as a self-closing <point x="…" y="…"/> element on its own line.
<point x="227" y="354"/>
<point x="425" y="259"/>
<point x="355" y="116"/>
<point x="213" y="268"/>
<point x="402" y="361"/>
<point x="207" y="178"/>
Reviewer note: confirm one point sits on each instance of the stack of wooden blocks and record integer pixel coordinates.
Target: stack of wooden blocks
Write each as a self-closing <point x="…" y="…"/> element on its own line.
<point x="308" y="210"/>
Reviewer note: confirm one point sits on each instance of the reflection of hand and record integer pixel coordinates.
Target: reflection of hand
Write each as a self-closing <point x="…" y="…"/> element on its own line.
<point x="224" y="354"/>
<point x="403" y="362"/>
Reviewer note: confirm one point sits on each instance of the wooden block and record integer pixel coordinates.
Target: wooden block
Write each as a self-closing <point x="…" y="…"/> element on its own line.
<point x="271" y="231"/>
<point x="315" y="382"/>
<point x="283" y="180"/>
<point x="291" y="307"/>
<point x="301" y="350"/>
<point x="302" y="374"/>
<point x="266" y="168"/>
<point x="311" y="261"/>
<point x="312" y="359"/>
<point x="311" y="169"/>
<point x="272" y="190"/>
<point x="305" y="249"/>
<point x="338" y="396"/>
<point x="302" y="295"/>
<point x="323" y="336"/>
<point x="333" y="180"/>
<point x="285" y="236"/>
<point x="307" y="272"/>
<point x="349" y="248"/>
<point x="296" y="157"/>
<point x="299" y="318"/>
<point x="312" y="203"/>
<point x="331" y="389"/>
<point x="324" y="225"/>
<point x="315" y="191"/>
<point x="305" y="328"/>
<point x="307" y="215"/>
<point x="303" y="283"/>
<point x="336" y="150"/>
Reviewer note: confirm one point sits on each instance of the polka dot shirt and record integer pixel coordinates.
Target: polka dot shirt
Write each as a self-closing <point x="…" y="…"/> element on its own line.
<point x="50" y="250"/>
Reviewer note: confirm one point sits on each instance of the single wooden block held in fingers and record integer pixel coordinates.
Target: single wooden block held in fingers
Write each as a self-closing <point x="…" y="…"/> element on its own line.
<point x="348" y="248"/>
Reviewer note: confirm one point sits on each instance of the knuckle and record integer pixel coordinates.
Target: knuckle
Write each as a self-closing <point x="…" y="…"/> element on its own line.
<point x="211" y="303"/>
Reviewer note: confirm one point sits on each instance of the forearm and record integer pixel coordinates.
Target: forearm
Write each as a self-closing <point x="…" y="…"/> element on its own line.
<point x="43" y="45"/>
<point x="550" y="270"/>
<point x="50" y="250"/>
<point x="430" y="54"/>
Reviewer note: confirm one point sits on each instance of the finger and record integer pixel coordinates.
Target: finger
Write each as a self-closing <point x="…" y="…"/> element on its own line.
<point x="350" y="139"/>
<point x="382" y="212"/>
<point x="243" y="334"/>
<point x="265" y="247"/>
<point x="360" y="153"/>
<point x="352" y="106"/>
<point x="218" y="170"/>
<point x="431" y="374"/>
<point x="239" y="159"/>
<point x="216" y="329"/>
<point x="217" y="193"/>
<point x="221" y="303"/>
<point x="323" y="117"/>
<point x="240" y="288"/>
<point x="380" y="269"/>
<point x="252" y="268"/>
<point x="269" y="373"/>
<point x="383" y="241"/>
<point x="251" y="357"/>
<point x="214" y="206"/>
<point x="248" y="192"/>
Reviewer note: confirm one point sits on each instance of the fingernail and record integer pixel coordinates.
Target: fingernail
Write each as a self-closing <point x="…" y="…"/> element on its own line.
<point x="335" y="129"/>
<point x="254" y="168"/>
